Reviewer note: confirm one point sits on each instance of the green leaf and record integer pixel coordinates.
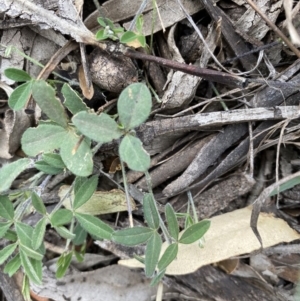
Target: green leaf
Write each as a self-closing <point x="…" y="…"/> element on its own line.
<point x="12" y="266"/>
<point x="142" y="40"/>
<point x="151" y="214"/>
<point x="6" y="208"/>
<point x="26" y="288"/>
<point x="132" y="236"/>
<point x="11" y="235"/>
<point x="4" y="227"/>
<point x="64" y="232"/>
<point x="102" y="21"/>
<point x="80" y="235"/>
<point x="72" y="101"/>
<point x="30" y="252"/>
<point x="79" y="161"/>
<point x="24" y="233"/>
<point x="168" y="256"/>
<point x="139" y="24"/>
<point x="39" y="233"/>
<point x="54" y="160"/>
<point x="101" y="35"/>
<point x="44" y="95"/>
<point x="6" y="252"/>
<point x="45" y="138"/>
<point x="9" y="172"/>
<point x="38" y="204"/>
<point x="85" y="191"/>
<point x="101" y="128"/>
<point x="94" y="226"/>
<point x="17" y="75"/>
<point x="63" y="263"/>
<point x="172" y="221"/>
<point x="128" y="36"/>
<point x="194" y="232"/>
<point x="32" y="268"/>
<point x="152" y="254"/>
<point x="287" y="185"/>
<point x="47" y="169"/>
<point x="132" y="152"/>
<point x="134" y="105"/>
<point x="61" y="217"/>
<point x="19" y="97"/>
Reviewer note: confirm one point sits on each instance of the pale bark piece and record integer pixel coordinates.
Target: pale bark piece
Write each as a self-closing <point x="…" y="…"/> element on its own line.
<point x="110" y="283"/>
<point x="229" y="235"/>
<point x="48" y="19"/>
<point x="252" y="24"/>
<point x="15" y="124"/>
<point x="182" y="87"/>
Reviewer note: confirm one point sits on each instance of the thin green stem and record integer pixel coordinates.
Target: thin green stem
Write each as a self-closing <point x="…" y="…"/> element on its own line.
<point x="129" y="209"/>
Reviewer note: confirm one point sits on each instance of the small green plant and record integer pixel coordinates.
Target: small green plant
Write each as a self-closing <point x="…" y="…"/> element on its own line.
<point x="115" y="33"/>
<point x="62" y="143"/>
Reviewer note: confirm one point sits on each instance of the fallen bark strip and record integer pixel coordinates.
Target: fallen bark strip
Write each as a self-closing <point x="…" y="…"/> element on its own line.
<point x="157" y="128"/>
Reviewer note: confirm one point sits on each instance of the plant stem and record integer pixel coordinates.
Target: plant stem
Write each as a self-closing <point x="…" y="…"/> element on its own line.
<point x="129" y="209"/>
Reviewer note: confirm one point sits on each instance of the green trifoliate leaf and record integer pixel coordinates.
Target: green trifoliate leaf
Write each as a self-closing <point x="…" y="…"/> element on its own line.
<point x="172" y="221"/>
<point x="64" y="232"/>
<point x="63" y="263"/>
<point x="85" y="191"/>
<point x="101" y="128"/>
<point x="77" y="158"/>
<point x="132" y="236"/>
<point x="19" y="97"/>
<point x="44" y="95"/>
<point x="17" y="75"/>
<point x="31" y="253"/>
<point x="152" y="254"/>
<point x="44" y="138"/>
<point x="32" y="268"/>
<point x="61" y="217"/>
<point x="6" y="252"/>
<point x="168" y="256"/>
<point x="151" y="214"/>
<point x="39" y="233"/>
<point x="194" y="232"/>
<point x="12" y="266"/>
<point x="132" y="152"/>
<point x="24" y="233"/>
<point x="38" y="203"/>
<point x="94" y="226"/>
<point x="4" y="227"/>
<point x="134" y="105"/>
<point x="72" y="101"/>
<point x="6" y="208"/>
<point x="9" y="172"/>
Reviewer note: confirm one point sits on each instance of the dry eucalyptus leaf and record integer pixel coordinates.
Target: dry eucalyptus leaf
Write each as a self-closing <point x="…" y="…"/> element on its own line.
<point x="101" y="202"/>
<point x="15" y="124"/>
<point x="229" y="235"/>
